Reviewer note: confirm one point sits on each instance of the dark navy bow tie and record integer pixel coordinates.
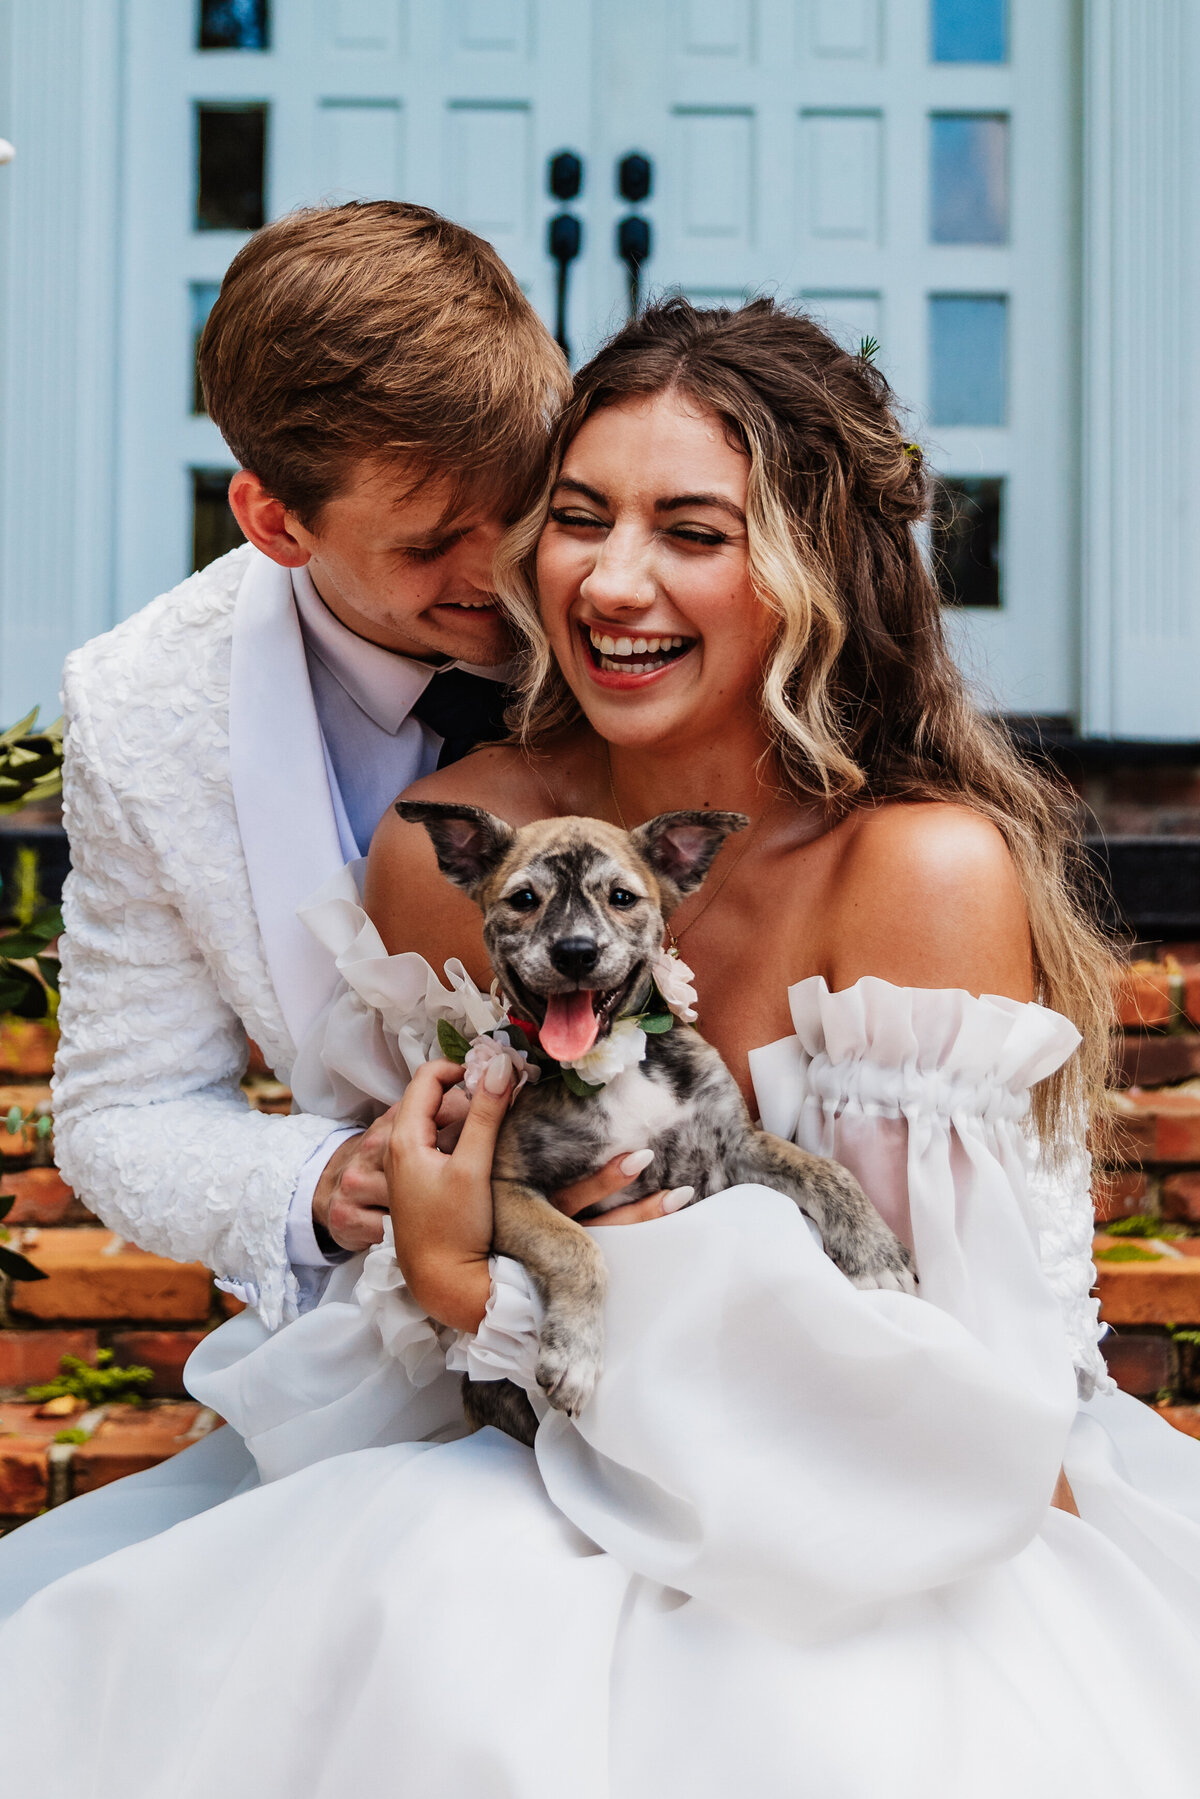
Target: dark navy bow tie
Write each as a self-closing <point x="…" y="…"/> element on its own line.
<point x="464" y="710"/>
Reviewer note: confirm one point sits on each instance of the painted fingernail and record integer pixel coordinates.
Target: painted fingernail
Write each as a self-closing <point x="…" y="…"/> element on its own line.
<point x="677" y="1198"/>
<point x="497" y="1074"/>
<point x="636" y="1162"/>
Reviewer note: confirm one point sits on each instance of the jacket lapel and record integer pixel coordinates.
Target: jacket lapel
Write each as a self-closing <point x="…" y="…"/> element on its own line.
<point x="281" y="789"/>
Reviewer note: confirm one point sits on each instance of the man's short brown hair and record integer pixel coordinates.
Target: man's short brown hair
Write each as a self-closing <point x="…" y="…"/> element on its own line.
<point x="378" y="329"/>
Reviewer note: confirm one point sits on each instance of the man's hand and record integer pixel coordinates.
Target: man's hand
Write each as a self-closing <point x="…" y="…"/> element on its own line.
<point x="351" y="1199"/>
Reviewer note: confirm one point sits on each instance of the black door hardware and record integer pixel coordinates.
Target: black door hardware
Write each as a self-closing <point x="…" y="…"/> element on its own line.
<point x="564" y="238"/>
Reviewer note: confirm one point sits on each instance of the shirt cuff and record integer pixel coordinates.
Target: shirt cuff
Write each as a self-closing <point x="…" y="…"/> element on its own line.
<point x="303" y="1250"/>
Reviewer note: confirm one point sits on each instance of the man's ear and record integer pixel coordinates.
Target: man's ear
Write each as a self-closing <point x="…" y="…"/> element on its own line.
<point x="266" y="521"/>
<point x="680" y="846"/>
<point x="469" y="842"/>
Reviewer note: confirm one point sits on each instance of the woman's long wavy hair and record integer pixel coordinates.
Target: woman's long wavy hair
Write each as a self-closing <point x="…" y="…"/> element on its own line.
<point x="861" y="700"/>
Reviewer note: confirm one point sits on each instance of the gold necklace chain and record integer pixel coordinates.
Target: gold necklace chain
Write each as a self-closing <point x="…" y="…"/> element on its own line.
<point x="747" y="842"/>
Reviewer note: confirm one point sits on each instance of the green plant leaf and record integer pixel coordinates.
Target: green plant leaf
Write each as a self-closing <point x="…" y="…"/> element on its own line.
<point x="655" y="1023"/>
<point x="49" y="968"/>
<point x="14" y="1118"/>
<point x="21" y="993"/>
<point x="32" y="939"/>
<point x="20" y="1268"/>
<point x="519" y="1038"/>
<point x="1141" y="1224"/>
<point x="7" y="1202"/>
<point x="579" y="1087"/>
<point x="451" y="1042"/>
<point x="1127" y="1252"/>
<point x="868" y="348"/>
<point x="72" y="1434"/>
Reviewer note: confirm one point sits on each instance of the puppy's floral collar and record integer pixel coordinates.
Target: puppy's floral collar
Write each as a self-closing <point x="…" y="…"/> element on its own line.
<point x="672" y="996"/>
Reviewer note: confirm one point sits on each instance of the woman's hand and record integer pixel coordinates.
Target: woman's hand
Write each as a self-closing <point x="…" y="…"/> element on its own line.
<point x="439" y="1190"/>
<point x="441" y="1204"/>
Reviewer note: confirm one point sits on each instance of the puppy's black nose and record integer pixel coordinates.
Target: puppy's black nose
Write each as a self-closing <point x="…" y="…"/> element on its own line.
<point x="574" y="956"/>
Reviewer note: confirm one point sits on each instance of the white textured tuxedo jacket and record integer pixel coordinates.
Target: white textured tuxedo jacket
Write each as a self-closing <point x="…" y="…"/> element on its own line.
<point x="201" y="815"/>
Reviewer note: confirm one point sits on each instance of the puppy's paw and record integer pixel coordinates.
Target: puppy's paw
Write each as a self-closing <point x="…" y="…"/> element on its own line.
<point x="894" y="1274"/>
<point x="567" y="1370"/>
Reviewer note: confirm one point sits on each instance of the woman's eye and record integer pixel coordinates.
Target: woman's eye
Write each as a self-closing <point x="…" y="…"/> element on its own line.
<point x="577" y="521"/>
<point x="622" y="899"/>
<point x="524" y="900"/>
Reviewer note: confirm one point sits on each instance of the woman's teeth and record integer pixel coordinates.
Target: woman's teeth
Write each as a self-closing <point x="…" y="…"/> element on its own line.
<point x="635" y="655"/>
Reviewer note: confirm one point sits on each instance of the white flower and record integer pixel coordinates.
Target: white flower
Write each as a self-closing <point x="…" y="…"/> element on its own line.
<point x="484" y="1049"/>
<point x="673" y="979"/>
<point x="624" y="1047"/>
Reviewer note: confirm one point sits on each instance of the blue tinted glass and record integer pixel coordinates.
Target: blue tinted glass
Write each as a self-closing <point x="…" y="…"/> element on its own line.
<point x="969" y="178"/>
<point x="203" y="295"/>
<point x="970" y="30"/>
<point x="234" y="25"/>
<point x="968" y="359"/>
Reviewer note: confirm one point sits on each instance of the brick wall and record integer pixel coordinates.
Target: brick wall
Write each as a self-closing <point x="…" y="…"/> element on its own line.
<point x="1152" y="1299"/>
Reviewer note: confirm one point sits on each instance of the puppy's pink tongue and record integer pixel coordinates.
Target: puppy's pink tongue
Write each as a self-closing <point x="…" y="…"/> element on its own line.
<point x="570" y="1026"/>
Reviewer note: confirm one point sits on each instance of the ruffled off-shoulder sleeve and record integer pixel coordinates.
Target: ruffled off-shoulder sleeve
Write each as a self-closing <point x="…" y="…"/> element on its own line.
<point x="782" y="1446"/>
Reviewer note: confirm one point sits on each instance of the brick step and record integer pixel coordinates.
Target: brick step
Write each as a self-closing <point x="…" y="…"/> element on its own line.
<point x="42" y="1197"/>
<point x="94" y="1278"/>
<point x="1166" y="1291"/>
<point x="27" y="1049"/>
<point x="1158" y="1125"/>
<point x="37" y="1471"/>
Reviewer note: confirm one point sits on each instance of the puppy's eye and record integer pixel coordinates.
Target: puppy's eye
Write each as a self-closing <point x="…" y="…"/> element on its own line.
<point x="622" y="899"/>
<point x="524" y="900"/>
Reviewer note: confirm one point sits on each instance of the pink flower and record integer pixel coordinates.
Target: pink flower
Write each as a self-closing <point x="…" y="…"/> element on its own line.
<point x="674" y="978"/>
<point x="484" y="1049"/>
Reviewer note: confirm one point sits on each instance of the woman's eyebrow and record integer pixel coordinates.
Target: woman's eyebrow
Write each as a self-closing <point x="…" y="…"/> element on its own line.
<point x="590" y="493"/>
<point x="681" y="500"/>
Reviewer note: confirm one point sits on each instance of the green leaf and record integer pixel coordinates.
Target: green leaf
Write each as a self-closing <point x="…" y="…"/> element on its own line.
<point x="21" y="992"/>
<point x="578" y="1086"/>
<point x="1143" y="1225"/>
<point x="14" y="1118"/>
<point x="868" y="348"/>
<point x="42" y="929"/>
<point x="7" y="1202"/>
<point x="451" y="1042"/>
<point x="519" y="1039"/>
<point x="20" y="1268"/>
<point x="72" y="1434"/>
<point x="1127" y="1252"/>
<point x="48" y="968"/>
<point x="655" y="1023"/>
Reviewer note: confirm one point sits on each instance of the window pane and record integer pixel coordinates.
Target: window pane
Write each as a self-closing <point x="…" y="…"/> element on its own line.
<point x="234" y="25"/>
<point x="967" y="523"/>
<point x="230" y="164"/>
<point x="969" y="178"/>
<point x="203" y="294"/>
<point x="968" y="359"/>
<point x="214" y="528"/>
<point x="970" y="30"/>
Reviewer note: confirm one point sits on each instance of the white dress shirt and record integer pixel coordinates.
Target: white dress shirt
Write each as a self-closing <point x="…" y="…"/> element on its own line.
<point x="374" y="749"/>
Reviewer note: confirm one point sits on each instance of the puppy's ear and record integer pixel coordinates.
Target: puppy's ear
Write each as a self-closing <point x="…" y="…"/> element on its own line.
<point x="468" y="841"/>
<point x="680" y="846"/>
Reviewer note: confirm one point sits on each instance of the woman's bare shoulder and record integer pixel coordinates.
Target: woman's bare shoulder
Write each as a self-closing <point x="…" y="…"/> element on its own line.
<point x="927" y="894"/>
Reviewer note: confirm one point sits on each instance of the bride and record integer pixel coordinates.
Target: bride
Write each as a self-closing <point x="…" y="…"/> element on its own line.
<point x="804" y="1540"/>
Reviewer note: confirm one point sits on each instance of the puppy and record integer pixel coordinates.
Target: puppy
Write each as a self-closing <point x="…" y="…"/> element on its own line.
<point x="573" y="915"/>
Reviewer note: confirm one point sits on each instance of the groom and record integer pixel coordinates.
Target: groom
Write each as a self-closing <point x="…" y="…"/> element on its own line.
<point x="385" y="388"/>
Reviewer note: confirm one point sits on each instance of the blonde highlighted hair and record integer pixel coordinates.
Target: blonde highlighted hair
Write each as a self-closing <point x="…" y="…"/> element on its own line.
<point x="861" y="700"/>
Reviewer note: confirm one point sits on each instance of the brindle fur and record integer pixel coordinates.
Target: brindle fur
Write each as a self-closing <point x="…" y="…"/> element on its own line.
<point x="681" y="1101"/>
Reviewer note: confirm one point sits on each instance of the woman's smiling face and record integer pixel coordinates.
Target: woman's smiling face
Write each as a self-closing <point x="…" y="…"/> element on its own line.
<point x="643" y="574"/>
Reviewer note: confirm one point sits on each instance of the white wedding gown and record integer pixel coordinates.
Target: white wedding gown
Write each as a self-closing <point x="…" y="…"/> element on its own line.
<point x="799" y="1545"/>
